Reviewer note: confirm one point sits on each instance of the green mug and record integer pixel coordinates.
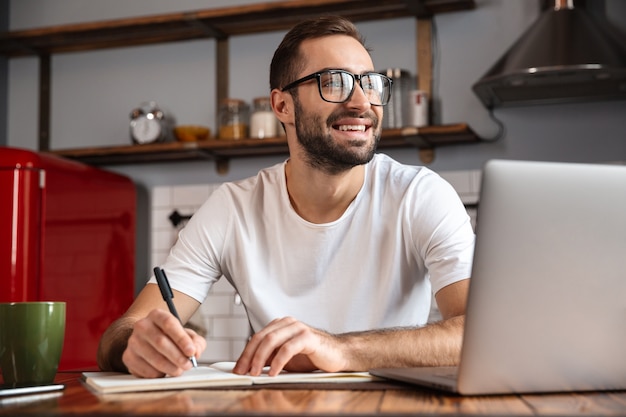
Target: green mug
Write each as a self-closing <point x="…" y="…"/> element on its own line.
<point x="31" y="341"/>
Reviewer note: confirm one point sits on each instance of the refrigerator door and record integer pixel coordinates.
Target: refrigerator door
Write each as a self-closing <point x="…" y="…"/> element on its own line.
<point x="20" y="227"/>
<point x="88" y="253"/>
<point x="67" y="233"/>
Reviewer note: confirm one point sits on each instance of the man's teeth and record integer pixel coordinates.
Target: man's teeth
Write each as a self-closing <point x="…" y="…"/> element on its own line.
<point x="360" y="128"/>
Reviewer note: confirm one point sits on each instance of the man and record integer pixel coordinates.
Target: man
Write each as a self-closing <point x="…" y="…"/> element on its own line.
<point x="335" y="252"/>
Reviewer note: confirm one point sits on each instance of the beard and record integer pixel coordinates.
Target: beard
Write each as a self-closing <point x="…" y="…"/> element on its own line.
<point x="322" y="152"/>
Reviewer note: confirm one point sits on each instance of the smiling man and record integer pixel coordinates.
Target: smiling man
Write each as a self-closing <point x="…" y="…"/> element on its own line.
<point x="335" y="253"/>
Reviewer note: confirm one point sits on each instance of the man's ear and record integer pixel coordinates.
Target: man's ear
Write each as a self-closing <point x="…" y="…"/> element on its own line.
<point x="282" y="104"/>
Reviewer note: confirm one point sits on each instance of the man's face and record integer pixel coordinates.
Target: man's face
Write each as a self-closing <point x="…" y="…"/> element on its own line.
<point x="336" y="136"/>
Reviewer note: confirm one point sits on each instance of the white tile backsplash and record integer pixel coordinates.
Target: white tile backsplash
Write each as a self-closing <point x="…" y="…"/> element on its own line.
<point x="230" y="328"/>
<point x="224" y="322"/>
<point x="218" y="304"/>
<point x="164" y="239"/>
<point x="466" y="184"/>
<point x="217" y="351"/>
<point x="221" y="286"/>
<point x="221" y="316"/>
<point x="161" y="197"/>
<point x="160" y="218"/>
<point x="190" y="195"/>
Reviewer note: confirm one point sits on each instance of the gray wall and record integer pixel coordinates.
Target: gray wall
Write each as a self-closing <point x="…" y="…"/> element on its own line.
<point x="93" y="92"/>
<point x="4" y="70"/>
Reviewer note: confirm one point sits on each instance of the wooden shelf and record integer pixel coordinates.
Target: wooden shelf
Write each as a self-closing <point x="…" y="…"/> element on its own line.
<point x="427" y="137"/>
<point x="211" y="23"/>
<point x="221" y="24"/>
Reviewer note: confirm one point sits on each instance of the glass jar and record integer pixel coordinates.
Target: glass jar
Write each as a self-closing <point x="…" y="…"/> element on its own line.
<point x="262" y="120"/>
<point x="233" y="119"/>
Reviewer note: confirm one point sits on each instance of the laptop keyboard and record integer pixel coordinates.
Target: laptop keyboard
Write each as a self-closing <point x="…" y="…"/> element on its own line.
<point x="448" y="373"/>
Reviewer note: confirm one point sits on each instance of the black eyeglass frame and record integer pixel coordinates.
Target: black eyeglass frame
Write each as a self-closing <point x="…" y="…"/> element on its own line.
<point x="356" y="77"/>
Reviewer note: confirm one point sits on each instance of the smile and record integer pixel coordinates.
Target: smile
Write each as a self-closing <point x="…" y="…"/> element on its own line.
<point x="350" y="128"/>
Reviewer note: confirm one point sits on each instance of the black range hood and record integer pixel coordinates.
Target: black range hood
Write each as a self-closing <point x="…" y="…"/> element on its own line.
<point x="565" y="56"/>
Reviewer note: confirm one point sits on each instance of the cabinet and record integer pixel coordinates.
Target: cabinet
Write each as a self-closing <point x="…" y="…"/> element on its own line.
<point x="221" y="24"/>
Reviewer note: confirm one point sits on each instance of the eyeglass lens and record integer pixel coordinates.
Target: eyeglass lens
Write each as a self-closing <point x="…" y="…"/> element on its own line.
<point x="337" y="87"/>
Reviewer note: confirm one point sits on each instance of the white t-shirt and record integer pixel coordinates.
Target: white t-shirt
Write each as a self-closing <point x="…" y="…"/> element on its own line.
<point x="405" y="235"/>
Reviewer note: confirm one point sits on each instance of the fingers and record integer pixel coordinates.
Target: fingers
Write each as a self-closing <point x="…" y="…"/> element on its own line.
<point x="296" y="346"/>
<point x="260" y="348"/>
<point x="284" y="342"/>
<point x="199" y="342"/>
<point x="159" y="345"/>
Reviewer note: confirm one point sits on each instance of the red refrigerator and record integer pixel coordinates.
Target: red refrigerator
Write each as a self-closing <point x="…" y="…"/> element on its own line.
<point x="67" y="233"/>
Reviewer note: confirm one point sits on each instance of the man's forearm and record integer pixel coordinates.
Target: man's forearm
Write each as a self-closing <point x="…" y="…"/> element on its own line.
<point x="113" y="344"/>
<point x="438" y="344"/>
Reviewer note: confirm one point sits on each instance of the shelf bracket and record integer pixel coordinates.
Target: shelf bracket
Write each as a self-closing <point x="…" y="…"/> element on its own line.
<point x="425" y="61"/>
<point x="222" y="165"/>
<point x="208" y="29"/>
<point x="44" y="102"/>
<point x="221" y="69"/>
<point x="427" y="156"/>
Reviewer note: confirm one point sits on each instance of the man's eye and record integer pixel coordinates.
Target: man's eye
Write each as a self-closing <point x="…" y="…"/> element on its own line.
<point x="332" y="83"/>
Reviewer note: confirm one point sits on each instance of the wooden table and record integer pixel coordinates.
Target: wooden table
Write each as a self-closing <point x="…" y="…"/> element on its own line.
<point x="395" y="399"/>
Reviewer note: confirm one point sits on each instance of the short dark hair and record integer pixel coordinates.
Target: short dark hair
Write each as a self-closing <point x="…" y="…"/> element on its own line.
<point x="288" y="61"/>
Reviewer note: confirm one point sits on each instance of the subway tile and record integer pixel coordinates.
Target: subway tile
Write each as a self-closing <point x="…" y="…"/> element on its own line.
<point x="230" y="327"/>
<point x="160" y="218"/>
<point x="237" y="347"/>
<point x="190" y="195"/>
<point x="460" y="180"/>
<point x="463" y="183"/>
<point x="164" y="239"/>
<point x="217" y="350"/>
<point x="237" y="307"/>
<point x="161" y="197"/>
<point x="199" y="323"/>
<point x="216" y="305"/>
<point x="213" y="187"/>
<point x="157" y="258"/>
<point x="222" y="286"/>
<point x="476" y="178"/>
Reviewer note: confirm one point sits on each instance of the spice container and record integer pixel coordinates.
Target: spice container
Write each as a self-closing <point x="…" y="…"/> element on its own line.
<point x="396" y="112"/>
<point x="233" y="119"/>
<point x="418" y="108"/>
<point x="262" y="120"/>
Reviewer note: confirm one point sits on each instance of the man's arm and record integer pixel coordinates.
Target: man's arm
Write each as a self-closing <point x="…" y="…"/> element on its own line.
<point x="148" y="340"/>
<point x="289" y="344"/>
<point x="437" y="344"/>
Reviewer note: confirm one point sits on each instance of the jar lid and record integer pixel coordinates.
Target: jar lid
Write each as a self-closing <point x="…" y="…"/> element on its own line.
<point x="232" y="103"/>
<point x="261" y="100"/>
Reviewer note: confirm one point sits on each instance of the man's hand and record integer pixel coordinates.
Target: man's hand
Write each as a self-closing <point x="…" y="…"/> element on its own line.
<point x="289" y="344"/>
<point x="159" y="345"/>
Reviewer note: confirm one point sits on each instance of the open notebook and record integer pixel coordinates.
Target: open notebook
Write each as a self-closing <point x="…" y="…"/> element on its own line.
<point x="216" y="375"/>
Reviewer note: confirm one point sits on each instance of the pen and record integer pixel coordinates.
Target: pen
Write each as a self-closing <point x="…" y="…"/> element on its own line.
<point x="166" y="292"/>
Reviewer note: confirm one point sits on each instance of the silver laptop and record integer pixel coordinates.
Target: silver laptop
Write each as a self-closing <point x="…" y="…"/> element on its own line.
<point x="547" y="303"/>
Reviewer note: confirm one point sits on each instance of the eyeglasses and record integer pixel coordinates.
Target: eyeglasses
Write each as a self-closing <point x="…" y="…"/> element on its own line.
<point x="337" y="86"/>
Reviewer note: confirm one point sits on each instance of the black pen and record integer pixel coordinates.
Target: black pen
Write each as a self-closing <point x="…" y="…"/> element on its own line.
<point x="166" y="292"/>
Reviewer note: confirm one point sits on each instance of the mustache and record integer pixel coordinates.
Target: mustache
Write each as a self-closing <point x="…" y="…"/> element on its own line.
<point x="369" y="114"/>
